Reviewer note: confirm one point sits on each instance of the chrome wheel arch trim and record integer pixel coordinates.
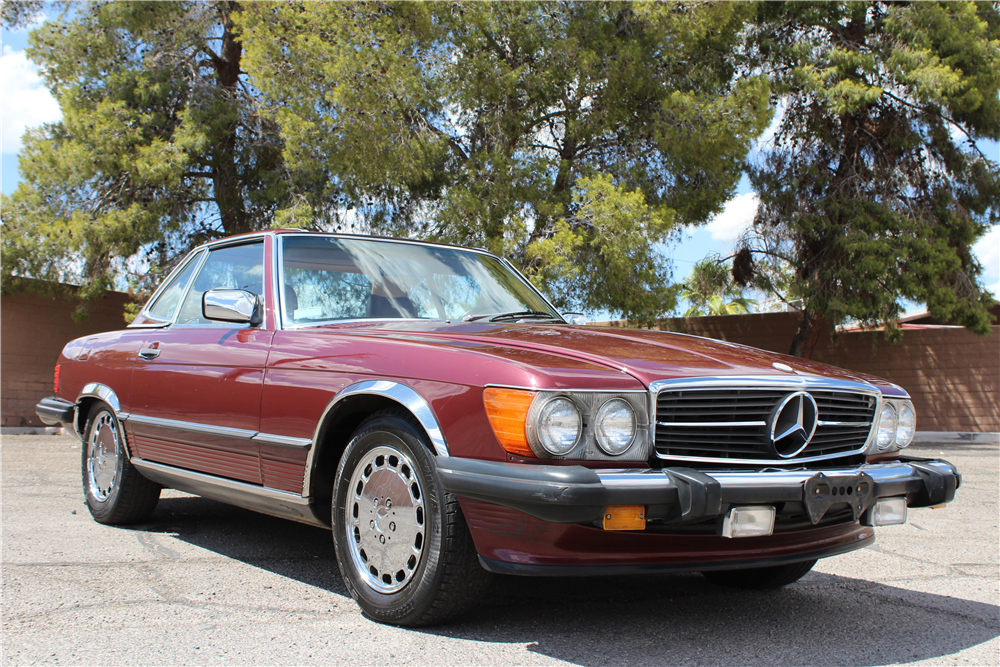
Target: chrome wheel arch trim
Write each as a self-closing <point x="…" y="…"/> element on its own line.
<point x="106" y="395"/>
<point x="396" y="391"/>
<point x="103" y="392"/>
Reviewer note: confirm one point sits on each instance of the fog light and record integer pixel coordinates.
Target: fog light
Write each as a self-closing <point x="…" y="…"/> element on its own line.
<point x="889" y="512"/>
<point x="624" y="517"/>
<point x="748" y="522"/>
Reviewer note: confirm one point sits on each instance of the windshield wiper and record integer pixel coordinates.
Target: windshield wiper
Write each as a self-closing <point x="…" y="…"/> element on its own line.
<point x="525" y="314"/>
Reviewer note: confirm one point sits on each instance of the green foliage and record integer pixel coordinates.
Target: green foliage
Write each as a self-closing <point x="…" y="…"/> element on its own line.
<point x="19" y="13"/>
<point x="569" y="137"/>
<point x="873" y="188"/>
<point x="161" y="146"/>
<point x="711" y="291"/>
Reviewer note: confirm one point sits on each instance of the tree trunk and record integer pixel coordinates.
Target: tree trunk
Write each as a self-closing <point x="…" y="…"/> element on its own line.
<point x="225" y="174"/>
<point x="811" y="328"/>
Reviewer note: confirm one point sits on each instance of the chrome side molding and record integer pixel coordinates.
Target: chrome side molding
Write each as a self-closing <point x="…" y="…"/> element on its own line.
<point x="281" y="504"/>
<point x="224" y="431"/>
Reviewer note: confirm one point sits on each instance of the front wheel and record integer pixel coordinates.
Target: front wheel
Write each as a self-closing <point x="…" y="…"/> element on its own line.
<point x="116" y="493"/>
<point x="402" y="544"/>
<point x="760" y="578"/>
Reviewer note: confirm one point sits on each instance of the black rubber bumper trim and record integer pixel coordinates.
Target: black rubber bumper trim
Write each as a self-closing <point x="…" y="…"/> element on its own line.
<point x="575" y="494"/>
<point x="560" y="494"/>
<point x="505" y="567"/>
<point x="54" y="410"/>
<point x="938" y="486"/>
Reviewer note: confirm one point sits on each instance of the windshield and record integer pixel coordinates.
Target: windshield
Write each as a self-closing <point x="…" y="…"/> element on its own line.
<point x="324" y="279"/>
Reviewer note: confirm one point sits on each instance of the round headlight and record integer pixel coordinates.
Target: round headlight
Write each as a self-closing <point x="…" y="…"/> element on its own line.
<point x="559" y="426"/>
<point x="886" y="427"/>
<point x="906" y="426"/>
<point x="615" y="426"/>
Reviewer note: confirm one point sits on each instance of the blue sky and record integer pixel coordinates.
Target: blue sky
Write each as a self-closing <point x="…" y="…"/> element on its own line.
<point x="26" y="103"/>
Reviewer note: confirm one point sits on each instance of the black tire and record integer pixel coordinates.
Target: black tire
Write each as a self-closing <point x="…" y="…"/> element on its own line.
<point x="760" y="578"/>
<point x="431" y="572"/>
<point x="116" y="493"/>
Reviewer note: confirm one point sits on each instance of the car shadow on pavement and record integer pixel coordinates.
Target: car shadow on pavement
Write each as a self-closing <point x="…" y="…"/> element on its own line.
<point x="643" y="619"/>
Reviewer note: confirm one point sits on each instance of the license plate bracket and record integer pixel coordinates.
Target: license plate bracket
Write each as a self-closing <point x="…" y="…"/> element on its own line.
<point x="821" y="492"/>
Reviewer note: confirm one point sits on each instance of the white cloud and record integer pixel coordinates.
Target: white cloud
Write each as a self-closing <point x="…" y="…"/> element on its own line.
<point x="987" y="249"/>
<point x="995" y="288"/>
<point x="735" y="217"/>
<point x="24" y="101"/>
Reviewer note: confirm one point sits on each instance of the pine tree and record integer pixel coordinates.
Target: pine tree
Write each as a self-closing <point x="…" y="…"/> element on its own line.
<point x="572" y="138"/>
<point x="873" y="186"/>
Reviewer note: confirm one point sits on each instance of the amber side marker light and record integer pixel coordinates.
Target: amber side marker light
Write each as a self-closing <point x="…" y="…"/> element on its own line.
<point x="507" y="410"/>
<point x="624" y="517"/>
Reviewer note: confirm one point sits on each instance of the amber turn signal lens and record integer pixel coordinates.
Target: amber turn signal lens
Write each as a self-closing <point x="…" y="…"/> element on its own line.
<point x="625" y="517"/>
<point x="508" y="413"/>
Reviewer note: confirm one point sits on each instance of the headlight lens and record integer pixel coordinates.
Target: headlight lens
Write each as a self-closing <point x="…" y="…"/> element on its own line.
<point x="615" y="426"/>
<point x="906" y="425"/>
<point x="559" y="426"/>
<point x="886" y="427"/>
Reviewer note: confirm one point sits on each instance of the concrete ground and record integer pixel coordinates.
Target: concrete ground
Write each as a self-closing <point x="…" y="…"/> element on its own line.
<point x="205" y="583"/>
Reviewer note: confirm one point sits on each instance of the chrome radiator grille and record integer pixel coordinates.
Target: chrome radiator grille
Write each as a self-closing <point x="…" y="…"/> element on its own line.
<point x="735" y="424"/>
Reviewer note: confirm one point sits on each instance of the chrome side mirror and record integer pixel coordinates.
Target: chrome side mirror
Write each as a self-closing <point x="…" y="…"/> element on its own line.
<point x="231" y="305"/>
<point x="575" y="318"/>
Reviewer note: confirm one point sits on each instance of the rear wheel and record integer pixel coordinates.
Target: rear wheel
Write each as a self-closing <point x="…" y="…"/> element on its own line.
<point x="402" y="544"/>
<point x="116" y="493"/>
<point x="760" y="578"/>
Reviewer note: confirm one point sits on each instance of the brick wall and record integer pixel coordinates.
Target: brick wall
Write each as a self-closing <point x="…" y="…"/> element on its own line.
<point x="952" y="375"/>
<point x="33" y="330"/>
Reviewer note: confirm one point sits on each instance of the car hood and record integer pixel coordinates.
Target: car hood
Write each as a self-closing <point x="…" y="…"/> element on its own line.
<point x="646" y="355"/>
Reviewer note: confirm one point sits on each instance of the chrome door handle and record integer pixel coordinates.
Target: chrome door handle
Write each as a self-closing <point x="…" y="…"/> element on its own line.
<point x="149" y="353"/>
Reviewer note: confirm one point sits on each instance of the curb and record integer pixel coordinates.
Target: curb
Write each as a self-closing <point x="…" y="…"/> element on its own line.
<point x="956" y="437"/>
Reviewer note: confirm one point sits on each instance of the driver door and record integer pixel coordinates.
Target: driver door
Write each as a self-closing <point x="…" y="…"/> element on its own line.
<point x="197" y="385"/>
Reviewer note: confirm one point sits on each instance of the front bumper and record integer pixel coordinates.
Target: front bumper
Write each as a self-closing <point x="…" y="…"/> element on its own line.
<point x="579" y="495"/>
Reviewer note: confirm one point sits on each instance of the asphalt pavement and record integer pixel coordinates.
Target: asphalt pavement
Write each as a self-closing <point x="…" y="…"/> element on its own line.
<point x="206" y="583"/>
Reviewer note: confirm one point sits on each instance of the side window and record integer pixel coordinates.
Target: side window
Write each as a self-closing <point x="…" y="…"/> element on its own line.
<point x="235" y="267"/>
<point x="167" y="302"/>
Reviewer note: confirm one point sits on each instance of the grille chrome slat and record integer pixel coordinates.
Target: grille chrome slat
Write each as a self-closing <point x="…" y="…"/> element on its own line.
<point x="738" y="429"/>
